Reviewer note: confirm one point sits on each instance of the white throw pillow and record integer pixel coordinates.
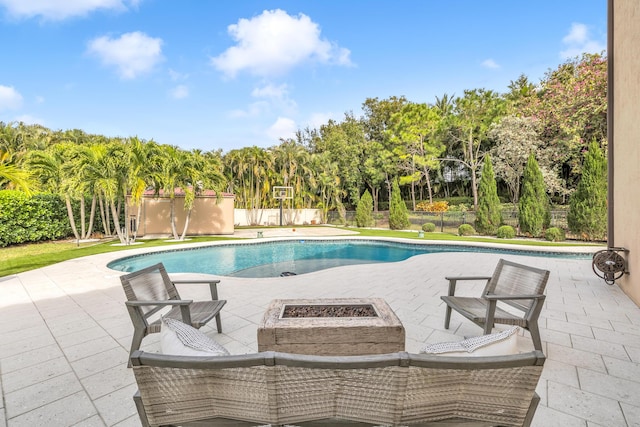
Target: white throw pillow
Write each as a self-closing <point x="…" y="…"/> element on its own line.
<point x="498" y="344"/>
<point x="180" y="339"/>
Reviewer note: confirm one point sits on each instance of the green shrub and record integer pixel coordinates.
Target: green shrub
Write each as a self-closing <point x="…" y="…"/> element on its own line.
<point x="398" y="214"/>
<point x="466" y="230"/>
<point x="364" y="211"/>
<point x="31" y="219"/>
<point x="506" y="232"/>
<point x="489" y="212"/>
<point x="533" y="207"/>
<point x="587" y="216"/>
<point x="428" y="227"/>
<point x="555" y="234"/>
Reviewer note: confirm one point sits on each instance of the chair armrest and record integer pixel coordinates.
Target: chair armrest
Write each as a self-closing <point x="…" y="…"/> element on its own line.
<point x="142" y="303"/>
<point x="453" y="280"/>
<point x="194" y="281"/>
<point x="507" y="297"/>
<point x="211" y="282"/>
<point x="468" y="277"/>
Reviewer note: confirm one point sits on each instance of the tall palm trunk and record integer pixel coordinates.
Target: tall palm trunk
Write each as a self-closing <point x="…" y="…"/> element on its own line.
<point x="104" y="217"/>
<point x="82" y="216"/>
<point x="186" y="224"/>
<point x="72" y="220"/>
<point x="92" y="216"/>
<point x="116" y="222"/>
<point x="172" y="217"/>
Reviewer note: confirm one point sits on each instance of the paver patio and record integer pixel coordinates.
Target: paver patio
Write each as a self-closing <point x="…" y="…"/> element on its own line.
<point x="66" y="334"/>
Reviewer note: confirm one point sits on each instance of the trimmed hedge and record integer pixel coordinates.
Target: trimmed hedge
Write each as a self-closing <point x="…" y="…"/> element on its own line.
<point x="31" y="219"/>
<point x="505" y="232"/>
<point x="555" y="234"/>
<point x="428" y="227"/>
<point x="466" y="230"/>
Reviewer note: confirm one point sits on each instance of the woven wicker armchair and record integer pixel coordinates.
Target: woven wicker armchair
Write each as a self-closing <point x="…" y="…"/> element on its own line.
<point x="518" y="286"/>
<point x="302" y="390"/>
<point x="151" y="290"/>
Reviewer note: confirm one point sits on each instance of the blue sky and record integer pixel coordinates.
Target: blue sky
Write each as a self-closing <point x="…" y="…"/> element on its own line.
<point x="224" y="75"/>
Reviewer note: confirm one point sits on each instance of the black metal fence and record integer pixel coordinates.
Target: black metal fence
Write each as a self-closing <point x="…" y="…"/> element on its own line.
<point x="444" y="222"/>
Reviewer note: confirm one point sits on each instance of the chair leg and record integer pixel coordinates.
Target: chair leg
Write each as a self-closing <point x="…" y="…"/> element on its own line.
<point x="136" y="341"/>
<point x="447" y="317"/>
<point x="535" y="335"/>
<point x="218" y="323"/>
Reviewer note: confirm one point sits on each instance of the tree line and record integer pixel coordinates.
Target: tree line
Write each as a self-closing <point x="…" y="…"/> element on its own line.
<point x="433" y="150"/>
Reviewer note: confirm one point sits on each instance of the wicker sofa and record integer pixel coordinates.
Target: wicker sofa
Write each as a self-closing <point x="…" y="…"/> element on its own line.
<point x="292" y="389"/>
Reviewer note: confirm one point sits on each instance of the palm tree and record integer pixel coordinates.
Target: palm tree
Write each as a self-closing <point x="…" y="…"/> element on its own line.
<point x="201" y="172"/>
<point x="169" y="177"/>
<point x="291" y="168"/>
<point x="55" y="174"/>
<point x="13" y="177"/>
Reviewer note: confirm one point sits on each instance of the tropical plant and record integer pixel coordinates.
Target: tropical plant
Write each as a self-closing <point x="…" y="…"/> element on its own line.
<point x="12" y="176"/>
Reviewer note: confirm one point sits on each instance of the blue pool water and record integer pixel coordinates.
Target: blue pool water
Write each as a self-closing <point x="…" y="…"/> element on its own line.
<point x="272" y="259"/>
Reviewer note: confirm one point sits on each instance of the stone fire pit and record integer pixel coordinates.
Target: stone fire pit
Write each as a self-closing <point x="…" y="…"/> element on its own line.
<point x="343" y="326"/>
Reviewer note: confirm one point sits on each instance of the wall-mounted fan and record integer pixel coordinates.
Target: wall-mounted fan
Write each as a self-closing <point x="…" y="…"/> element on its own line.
<point x="609" y="264"/>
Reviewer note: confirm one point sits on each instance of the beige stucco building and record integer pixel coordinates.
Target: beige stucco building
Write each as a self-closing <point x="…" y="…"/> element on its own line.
<point x="624" y="137"/>
<point x="210" y="215"/>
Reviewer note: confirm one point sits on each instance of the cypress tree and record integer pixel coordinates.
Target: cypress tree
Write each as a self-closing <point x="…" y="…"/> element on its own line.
<point x="489" y="213"/>
<point x="398" y="215"/>
<point x="533" y="207"/>
<point x="587" y="216"/>
<point x="364" y="216"/>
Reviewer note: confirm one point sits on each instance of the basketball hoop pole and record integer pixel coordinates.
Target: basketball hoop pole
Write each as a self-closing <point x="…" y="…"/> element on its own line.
<point x="282" y="193"/>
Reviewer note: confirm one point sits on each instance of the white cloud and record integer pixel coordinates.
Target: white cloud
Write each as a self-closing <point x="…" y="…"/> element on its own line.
<point x="56" y="10"/>
<point x="318" y="119"/>
<point x="255" y="109"/>
<point x="578" y="34"/>
<point x="274" y="42"/>
<point x="579" y="41"/>
<point x="283" y="128"/>
<point x="176" y="76"/>
<point x="132" y="54"/>
<point x="39" y="99"/>
<point x="271" y="91"/>
<point x="29" y="120"/>
<point x="278" y="96"/>
<point x="490" y="63"/>
<point x="10" y="99"/>
<point x="180" y="92"/>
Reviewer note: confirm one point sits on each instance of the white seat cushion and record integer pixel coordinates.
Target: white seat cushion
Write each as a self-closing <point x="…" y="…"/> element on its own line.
<point x="180" y="339"/>
<point x="498" y="344"/>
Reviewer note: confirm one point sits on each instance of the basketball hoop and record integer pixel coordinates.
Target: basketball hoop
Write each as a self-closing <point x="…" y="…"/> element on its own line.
<point x="282" y="193"/>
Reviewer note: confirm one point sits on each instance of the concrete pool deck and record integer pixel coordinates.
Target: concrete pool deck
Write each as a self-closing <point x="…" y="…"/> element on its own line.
<point x="66" y="333"/>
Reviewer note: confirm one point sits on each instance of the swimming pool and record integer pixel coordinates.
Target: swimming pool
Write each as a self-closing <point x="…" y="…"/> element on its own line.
<point x="286" y="257"/>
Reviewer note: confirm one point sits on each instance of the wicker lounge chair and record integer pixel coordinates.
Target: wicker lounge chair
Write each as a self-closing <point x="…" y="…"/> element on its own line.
<point x="519" y="286"/>
<point x="151" y="290"/>
<point x="302" y="390"/>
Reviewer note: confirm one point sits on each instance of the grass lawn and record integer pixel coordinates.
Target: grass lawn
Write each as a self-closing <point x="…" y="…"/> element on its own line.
<point x="16" y="259"/>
